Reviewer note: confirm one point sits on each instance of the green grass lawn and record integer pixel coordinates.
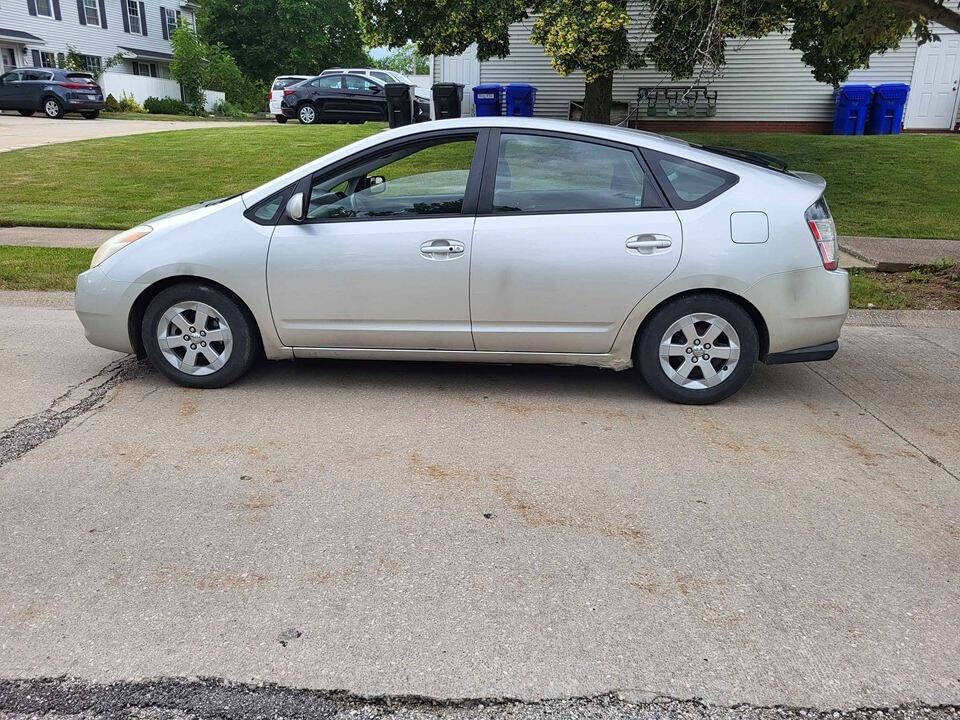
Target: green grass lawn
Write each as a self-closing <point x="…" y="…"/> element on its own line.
<point x="177" y="118"/>
<point x="904" y="185"/>
<point x="41" y="268"/>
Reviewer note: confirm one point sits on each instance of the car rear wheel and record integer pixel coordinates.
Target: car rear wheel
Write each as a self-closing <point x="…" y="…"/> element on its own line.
<point x="53" y="108"/>
<point x="307" y="114"/>
<point x="281" y="119"/>
<point x="25" y="113"/>
<point x="698" y="350"/>
<point x="198" y="336"/>
<point x="92" y="115"/>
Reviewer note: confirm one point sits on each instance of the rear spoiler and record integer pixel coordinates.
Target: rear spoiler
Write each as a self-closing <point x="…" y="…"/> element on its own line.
<point x="811" y="178"/>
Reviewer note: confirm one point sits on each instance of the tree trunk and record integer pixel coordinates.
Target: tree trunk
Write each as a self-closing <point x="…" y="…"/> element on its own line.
<point x="598" y="99"/>
<point x="930" y="9"/>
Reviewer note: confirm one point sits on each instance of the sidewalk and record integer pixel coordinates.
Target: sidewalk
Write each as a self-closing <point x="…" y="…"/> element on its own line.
<point x="899" y="254"/>
<point x="54" y="237"/>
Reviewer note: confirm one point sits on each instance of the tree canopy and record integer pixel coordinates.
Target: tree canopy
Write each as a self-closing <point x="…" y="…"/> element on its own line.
<point x="273" y="37"/>
<point x="681" y="37"/>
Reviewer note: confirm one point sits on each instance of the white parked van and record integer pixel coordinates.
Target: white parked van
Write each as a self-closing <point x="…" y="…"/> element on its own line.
<point x="276" y="93"/>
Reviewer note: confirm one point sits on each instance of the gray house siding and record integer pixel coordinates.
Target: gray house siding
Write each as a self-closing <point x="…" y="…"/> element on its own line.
<point x="90" y="39"/>
<point x="764" y="80"/>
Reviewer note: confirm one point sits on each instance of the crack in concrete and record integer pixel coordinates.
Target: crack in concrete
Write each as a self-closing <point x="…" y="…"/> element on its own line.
<point x="217" y="698"/>
<point x="82" y="398"/>
<point x="932" y="459"/>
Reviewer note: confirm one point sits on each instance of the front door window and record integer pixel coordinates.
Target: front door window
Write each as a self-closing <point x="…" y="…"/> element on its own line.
<point x="8" y="59"/>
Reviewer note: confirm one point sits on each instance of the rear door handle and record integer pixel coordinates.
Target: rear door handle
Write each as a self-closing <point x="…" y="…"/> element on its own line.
<point x="648" y="243"/>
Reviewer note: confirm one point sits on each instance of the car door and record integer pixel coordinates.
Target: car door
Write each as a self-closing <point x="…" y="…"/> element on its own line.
<point x="382" y="259"/>
<point x="32" y="87"/>
<point x="9" y="89"/>
<point x="571" y="233"/>
<point x="328" y="95"/>
<point x="366" y="98"/>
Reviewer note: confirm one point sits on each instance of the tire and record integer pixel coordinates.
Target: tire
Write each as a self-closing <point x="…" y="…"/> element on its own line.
<point x="26" y="113"/>
<point x="308" y="114"/>
<point x="92" y="115"/>
<point x="53" y="108"/>
<point x="724" y="337"/>
<point x="282" y="119"/>
<point x="237" y="348"/>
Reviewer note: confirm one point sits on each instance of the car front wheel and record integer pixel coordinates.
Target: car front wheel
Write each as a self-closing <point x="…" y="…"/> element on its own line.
<point x="198" y="336"/>
<point x="281" y="118"/>
<point x="53" y="108"/>
<point x="698" y="350"/>
<point x="307" y="114"/>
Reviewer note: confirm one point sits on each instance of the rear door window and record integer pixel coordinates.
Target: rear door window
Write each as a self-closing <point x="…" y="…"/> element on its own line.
<point x="689" y="184"/>
<point x="330" y="82"/>
<point x="538" y="173"/>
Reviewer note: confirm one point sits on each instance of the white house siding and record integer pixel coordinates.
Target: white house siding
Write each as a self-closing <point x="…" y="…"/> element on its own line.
<point x="764" y="79"/>
<point x="87" y="39"/>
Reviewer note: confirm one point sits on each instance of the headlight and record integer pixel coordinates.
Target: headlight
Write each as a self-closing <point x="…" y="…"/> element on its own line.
<point x="118" y="242"/>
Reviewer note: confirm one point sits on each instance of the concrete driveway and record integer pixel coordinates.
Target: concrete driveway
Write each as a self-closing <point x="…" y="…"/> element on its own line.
<point x="21" y="132"/>
<point x="507" y="531"/>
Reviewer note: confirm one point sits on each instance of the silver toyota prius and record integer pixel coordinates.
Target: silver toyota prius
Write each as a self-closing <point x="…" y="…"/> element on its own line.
<point x="488" y="240"/>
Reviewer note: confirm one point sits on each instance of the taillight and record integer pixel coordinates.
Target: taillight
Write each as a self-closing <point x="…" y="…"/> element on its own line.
<point x="288" y="91"/>
<point x="824" y="232"/>
<point x="78" y="86"/>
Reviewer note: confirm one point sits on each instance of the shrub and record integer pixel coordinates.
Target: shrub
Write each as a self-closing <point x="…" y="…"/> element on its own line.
<point x="166" y="106"/>
<point x="127" y="103"/>
<point x="226" y="108"/>
<point x="111" y="104"/>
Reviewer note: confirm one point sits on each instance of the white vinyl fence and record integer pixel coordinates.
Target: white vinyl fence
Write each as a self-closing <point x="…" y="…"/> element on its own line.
<point x="141" y="87"/>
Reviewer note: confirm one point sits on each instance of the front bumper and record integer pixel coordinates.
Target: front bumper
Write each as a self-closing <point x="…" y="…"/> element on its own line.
<point x="103" y="306"/>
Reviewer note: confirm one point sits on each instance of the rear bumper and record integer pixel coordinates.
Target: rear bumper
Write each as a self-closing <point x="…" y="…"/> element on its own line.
<point x="807" y="354"/>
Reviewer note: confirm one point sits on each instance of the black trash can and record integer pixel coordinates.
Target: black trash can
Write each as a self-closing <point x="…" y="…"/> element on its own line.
<point x="447" y="100"/>
<point x="399" y="104"/>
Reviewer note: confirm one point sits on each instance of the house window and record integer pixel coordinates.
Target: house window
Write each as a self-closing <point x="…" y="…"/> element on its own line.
<point x="93" y="64"/>
<point x="133" y="10"/>
<point x="48" y="60"/>
<point x="146" y="69"/>
<point x="91" y="11"/>
<point x="45" y="7"/>
<point x="171" y="21"/>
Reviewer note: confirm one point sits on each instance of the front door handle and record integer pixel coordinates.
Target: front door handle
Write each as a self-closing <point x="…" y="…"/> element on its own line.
<point x="441" y="249"/>
<point x="648" y="243"/>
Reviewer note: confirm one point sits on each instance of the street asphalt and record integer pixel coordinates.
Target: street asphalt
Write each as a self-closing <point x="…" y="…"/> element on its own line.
<point x="507" y="534"/>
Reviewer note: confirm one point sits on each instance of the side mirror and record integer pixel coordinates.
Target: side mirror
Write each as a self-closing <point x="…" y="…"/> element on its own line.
<point x="377" y="184"/>
<point x="296" y="209"/>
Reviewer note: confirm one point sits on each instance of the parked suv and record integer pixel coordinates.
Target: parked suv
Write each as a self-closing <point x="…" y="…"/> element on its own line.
<point x="51" y="91"/>
<point x="276" y="93"/>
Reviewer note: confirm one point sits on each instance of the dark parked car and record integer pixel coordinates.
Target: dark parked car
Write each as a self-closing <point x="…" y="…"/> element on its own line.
<point x="51" y="91"/>
<point x="340" y="98"/>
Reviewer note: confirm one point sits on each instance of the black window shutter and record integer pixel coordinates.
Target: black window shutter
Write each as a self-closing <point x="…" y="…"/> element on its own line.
<point x="56" y="10"/>
<point x="143" y="19"/>
<point x="103" y="15"/>
<point x="163" y="23"/>
<point x="36" y="58"/>
<point x="32" y="7"/>
<point x="81" y="12"/>
<point x="126" y="16"/>
<point x="61" y="60"/>
<point x="178" y="17"/>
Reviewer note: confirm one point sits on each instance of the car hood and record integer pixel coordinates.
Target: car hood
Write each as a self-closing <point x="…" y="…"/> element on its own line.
<point x="191" y="208"/>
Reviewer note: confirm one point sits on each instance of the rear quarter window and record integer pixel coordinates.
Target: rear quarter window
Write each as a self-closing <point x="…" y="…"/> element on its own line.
<point x="689" y="184"/>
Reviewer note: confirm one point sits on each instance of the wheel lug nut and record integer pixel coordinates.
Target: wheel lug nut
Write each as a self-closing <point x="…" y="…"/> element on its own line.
<point x="193" y="329"/>
<point x="193" y="346"/>
<point x="706" y="346"/>
<point x="706" y="357"/>
<point x="694" y="359"/>
<point x="695" y="342"/>
<point x="203" y="333"/>
<point x="689" y="350"/>
<point x="203" y="344"/>
<point x="186" y="337"/>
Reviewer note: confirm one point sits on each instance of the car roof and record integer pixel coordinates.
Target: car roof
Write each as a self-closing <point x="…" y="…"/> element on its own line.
<point x="648" y="140"/>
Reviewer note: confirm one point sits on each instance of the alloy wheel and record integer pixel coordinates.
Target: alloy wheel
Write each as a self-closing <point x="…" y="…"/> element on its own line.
<point x="307" y="115"/>
<point x="699" y="351"/>
<point x="194" y="338"/>
<point x="52" y="108"/>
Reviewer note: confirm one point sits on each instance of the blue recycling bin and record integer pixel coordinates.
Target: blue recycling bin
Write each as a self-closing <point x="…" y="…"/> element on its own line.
<point x="886" y="115"/>
<point x="853" y="105"/>
<point x="520" y="99"/>
<point x="487" y="99"/>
